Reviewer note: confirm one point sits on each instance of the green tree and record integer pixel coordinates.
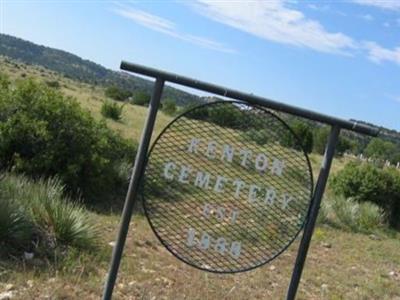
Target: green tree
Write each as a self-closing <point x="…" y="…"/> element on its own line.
<point x="226" y="115"/>
<point x="321" y="135"/>
<point x="380" y="149"/>
<point x="169" y="106"/>
<point x="303" y="132"/>
<point x="141" y="98"/>
<point x="44" y="133"/>
<point x="344" y="144"/>
<point x="198" y="113"/>
<point x="320" y="139"/>
<point x="117" y="94"/>
<point x="259" y="136"/>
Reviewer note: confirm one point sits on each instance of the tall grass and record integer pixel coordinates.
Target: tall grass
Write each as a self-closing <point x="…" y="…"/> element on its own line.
<point x="54" y="219"/>
<point x="351" y="215"/>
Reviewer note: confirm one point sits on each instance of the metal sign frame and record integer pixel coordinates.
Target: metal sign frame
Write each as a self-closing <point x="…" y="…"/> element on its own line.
<point x="161" y="77"/>
<point x="278" y="121"/>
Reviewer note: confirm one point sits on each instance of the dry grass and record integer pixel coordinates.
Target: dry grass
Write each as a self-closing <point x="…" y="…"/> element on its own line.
<point x="90" y="98"/>
<point x="340" y="265"/>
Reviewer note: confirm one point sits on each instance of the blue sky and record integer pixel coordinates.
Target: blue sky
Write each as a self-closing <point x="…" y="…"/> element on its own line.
<point x="337" y="57"/>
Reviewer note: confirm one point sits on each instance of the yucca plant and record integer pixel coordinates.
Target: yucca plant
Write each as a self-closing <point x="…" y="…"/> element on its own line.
<point x="64" y="220"/>
<point x="370" y="217"/>
<point x="359" y="217"/>
<point x="58" y="220"/>
<point x="15" y="228"/>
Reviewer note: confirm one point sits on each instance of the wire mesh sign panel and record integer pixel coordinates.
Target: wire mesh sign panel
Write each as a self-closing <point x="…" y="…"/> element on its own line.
<point x="227" y="187"/>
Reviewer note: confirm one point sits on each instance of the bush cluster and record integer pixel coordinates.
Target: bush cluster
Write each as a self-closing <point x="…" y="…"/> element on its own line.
<point x="260" y="137"/>
<point x="231" y="116"/>
<point x="381" y="151"/>
<point x="169" y="106"/>
<point x="367" y="183"/>
<point x="303" y="132"/>
<point x="141" y="98"/>
<point x="117" y="93"/>
<point x="36" y="217"/>
<point x="348" y="214"/>
<point x="112" y="110"/>
<point x="44" y="133"/>
<point x="320" y="139"/>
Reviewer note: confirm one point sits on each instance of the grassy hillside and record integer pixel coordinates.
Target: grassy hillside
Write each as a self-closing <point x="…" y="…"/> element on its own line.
<point x="341" y="265"/>
<point x="76" y="68"/>
<point x="73" y="67"/>
<point x="90" y="97"/>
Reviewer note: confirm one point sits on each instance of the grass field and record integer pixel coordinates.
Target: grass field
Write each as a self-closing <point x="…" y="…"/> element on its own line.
<point x="340" y="265"/>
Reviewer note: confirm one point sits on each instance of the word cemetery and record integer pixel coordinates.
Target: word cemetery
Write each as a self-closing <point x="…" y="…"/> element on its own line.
<point x="186" y="174"/>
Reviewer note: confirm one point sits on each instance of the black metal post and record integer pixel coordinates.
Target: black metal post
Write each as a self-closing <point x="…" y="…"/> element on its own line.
<point x="312" y="218"/>
<point x="133" y="188"/>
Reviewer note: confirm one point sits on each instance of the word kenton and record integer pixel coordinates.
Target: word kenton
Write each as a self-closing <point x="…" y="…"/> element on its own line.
<point x="187" y="175"/>
<point x="226" y="153"/>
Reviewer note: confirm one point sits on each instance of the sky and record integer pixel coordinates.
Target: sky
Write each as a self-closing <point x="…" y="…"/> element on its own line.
<point x="337" y="57"/>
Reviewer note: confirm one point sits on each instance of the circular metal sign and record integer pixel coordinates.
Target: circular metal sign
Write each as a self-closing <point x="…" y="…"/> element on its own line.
<point x="227" y="187"/>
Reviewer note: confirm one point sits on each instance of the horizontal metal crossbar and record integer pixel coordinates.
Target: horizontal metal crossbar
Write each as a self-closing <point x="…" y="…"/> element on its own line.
<point x="250" y="98"/>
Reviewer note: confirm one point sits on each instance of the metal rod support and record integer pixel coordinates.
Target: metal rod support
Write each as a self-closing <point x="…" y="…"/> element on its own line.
<point x="234" y="94"/>
<point x="133" y="188"/>
<point x="312" y="218"/>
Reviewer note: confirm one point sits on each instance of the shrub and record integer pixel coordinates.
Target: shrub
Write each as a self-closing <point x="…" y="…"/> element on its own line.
<point x="53" y="83"/>
<point x="382" y="150"/>
<point x="226" y="116"/>
<point x="358" y="217"/>
<point x="324" y="212"/>
<point x="169" y="106"/>
<point x="117" y="94"/>
<point x="44" y="133"/>
<point x="304" y="134"/>
<point x="42" y="209"/>
<point x="15" y="228"/>
<point x="366" y="183"/>
<point x="321" y="138"/>
<point x="4" y="81"/>
<point x="258" y="136"/>
<point x="141" y="98"/>
<point x="200" y="113"/>
<point x="111" y="110"/>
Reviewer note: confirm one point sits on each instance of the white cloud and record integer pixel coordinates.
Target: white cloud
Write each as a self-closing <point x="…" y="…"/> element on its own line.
<point x="316" y="7"/>
<point x="169" y="28"/>
<point x="393" y="97"/>
<point x="386" y="24"/>
<point x="367" y="17"/>
<point x="396" y="98"/>
<point x="275" y="21"/>
<point x="384" y="4"/>
<point x="378" y="54"/>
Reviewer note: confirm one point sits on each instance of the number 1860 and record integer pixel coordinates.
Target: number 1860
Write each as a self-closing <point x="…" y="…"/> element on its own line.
<point x="220" y="244"/>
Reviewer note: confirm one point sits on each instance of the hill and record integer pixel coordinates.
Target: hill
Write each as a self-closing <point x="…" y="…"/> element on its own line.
<point x="76" y="68"/>
<point x="81" y="70"/>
